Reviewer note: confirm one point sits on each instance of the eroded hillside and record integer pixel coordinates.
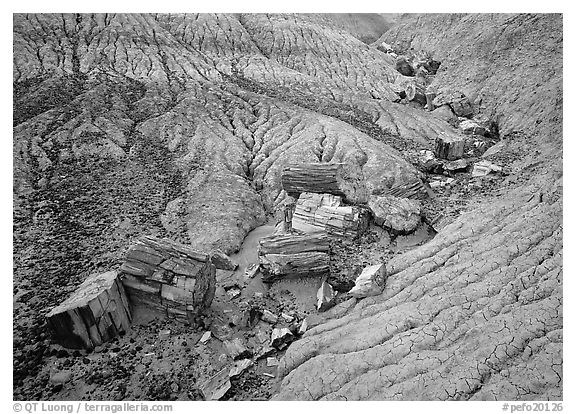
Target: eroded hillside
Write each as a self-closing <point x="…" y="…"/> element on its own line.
<point x="180" y="125"/>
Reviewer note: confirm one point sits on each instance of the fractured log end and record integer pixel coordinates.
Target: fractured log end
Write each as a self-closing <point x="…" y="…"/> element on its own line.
<point x="95" y="313"/>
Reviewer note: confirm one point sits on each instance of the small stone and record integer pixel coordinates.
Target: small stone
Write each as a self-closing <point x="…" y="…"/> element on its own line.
<point x="436" y="184"/>
<point x="287" y="317"/>
<point x="281" y="337"/>
<point x="164" y="334"/>
<point x="215" y="387"/>
<point x="370" y="282"/>
<point x="236" y="349"/>
<point x="271" y="362"/>
<point x="233" y="293"/>
<point x="458" y="165"/>
<point x="266" y="351"/>
<point x="303" y="327"/>
<point x="61" y="377"/>
<point x="206" y="337"/>
<point x="251" y="270"/>
<point x="239" y="367"/>
<point x="174" y="387"/>
<point x="325" y="296"/>
<point x="269" y="317"/>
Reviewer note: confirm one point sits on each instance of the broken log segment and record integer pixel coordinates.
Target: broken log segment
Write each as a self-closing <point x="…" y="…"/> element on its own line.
<point x="294" y="243"/>
<point x="324" y="212"/>
<point x="293" y="255"/>
<point x="449" y="147"/>
<point x="95" y="313"/>
<point x="339" y="179"/>
<point x="277" y="266"/>
<point x="170" y="277"/>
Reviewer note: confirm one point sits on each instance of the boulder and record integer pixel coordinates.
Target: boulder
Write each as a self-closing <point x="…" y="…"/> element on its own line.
<point x="370" y="282"/>
<point x="400" y="215"/>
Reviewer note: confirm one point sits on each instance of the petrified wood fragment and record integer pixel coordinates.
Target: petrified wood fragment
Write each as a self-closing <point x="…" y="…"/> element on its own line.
<point x="95" y="313"/>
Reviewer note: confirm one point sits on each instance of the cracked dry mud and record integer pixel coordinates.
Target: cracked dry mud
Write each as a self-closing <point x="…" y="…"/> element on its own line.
<point x="179" y="126"/>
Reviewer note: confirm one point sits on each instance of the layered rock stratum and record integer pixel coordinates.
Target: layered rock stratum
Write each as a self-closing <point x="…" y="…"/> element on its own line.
<point x="179" y="126"/>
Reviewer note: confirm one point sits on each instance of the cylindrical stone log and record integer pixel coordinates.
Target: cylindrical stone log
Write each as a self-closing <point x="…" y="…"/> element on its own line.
<point x="278" y="266"/>
<point x="95" y="313"/>
<point x="293" y="255"/>
<point x="169" y="277"/>
<point x="294" y="243"/>
<point x="449" y="147"/>
<point x="338" y="179"/>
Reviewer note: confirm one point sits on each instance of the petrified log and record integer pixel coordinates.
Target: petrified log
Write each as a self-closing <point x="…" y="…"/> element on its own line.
<point x="416" y="92"/>
<point x="95" y="313"/>
<point x="324" y="212"/>
<point x="169" y="276"/>
<point x="449" y="147"/>
<point x="338" y="179"/>
<point x="291" y="255"/>
<point x="294" y="243"/>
